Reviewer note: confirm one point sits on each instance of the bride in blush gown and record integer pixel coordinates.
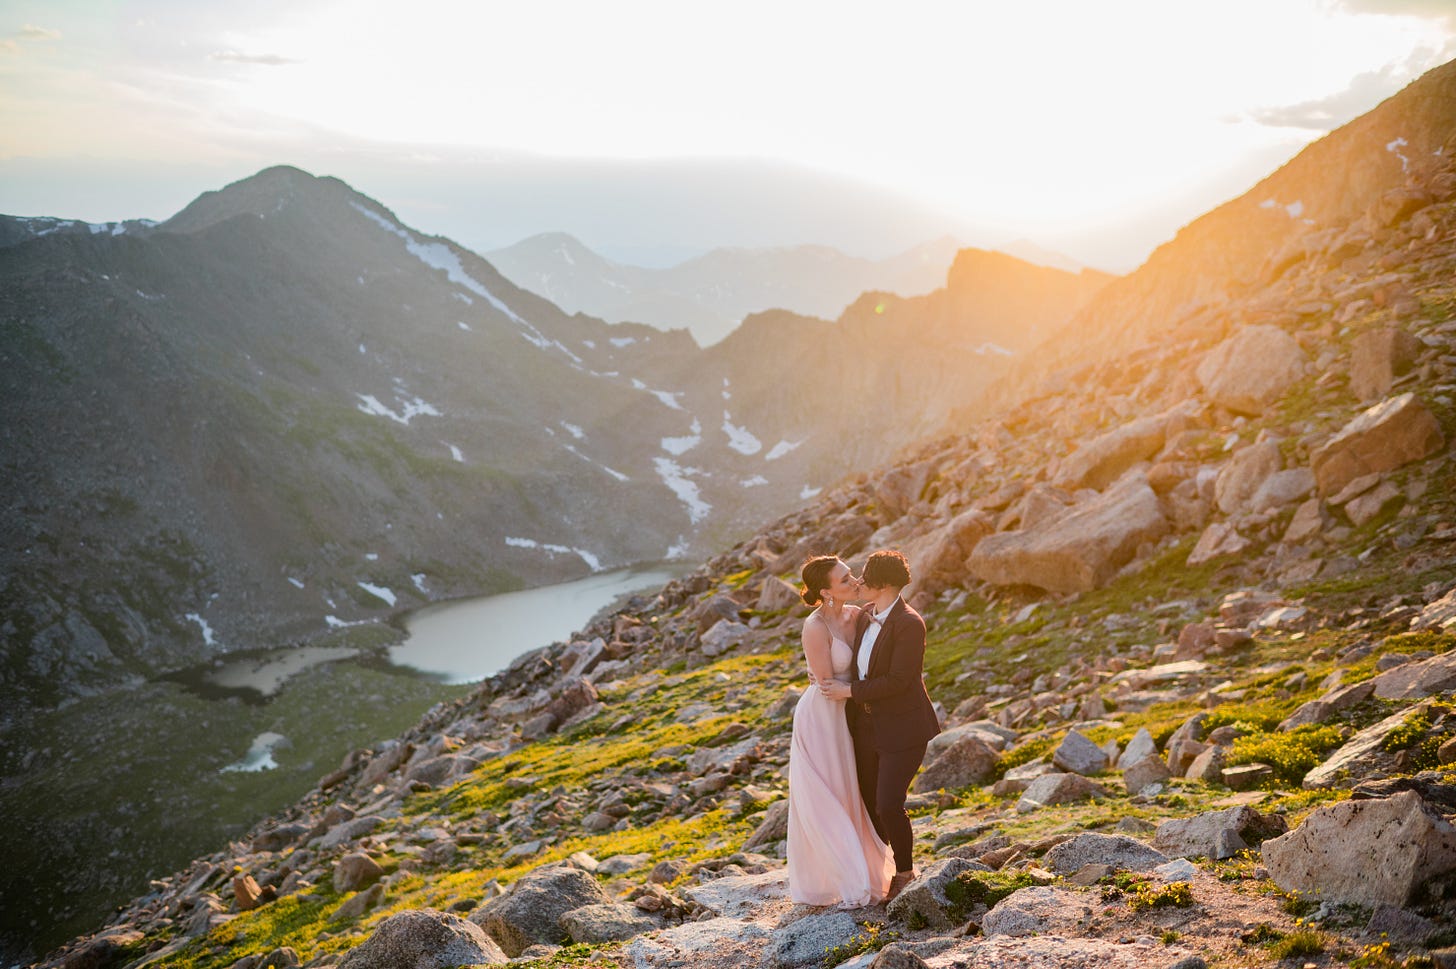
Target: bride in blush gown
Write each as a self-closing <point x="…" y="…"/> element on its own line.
<point x="835" y="857"/>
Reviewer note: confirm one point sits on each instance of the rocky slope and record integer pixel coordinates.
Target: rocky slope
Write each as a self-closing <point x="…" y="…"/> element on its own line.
<point x="1192" y="619"/>
<point x="711" y="294"/>
<point x="282" y="411"/>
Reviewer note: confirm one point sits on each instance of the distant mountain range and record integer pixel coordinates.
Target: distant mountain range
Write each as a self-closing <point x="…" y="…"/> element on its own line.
<point x="282" y="411"/>
<point x="713" y="293"/>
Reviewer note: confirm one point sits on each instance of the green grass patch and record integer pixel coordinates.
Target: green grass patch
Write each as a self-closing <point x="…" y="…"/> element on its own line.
<point x="1298" y="945"/>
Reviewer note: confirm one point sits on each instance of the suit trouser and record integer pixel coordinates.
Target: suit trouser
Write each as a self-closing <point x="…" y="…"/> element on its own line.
<point x="884" y="780"/>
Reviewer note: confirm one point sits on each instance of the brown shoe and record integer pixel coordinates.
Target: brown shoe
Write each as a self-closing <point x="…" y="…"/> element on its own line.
<point x="897" y="884"/>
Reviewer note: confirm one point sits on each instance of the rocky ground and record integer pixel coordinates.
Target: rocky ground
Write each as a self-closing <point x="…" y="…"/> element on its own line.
<point x="1191" y="622"/>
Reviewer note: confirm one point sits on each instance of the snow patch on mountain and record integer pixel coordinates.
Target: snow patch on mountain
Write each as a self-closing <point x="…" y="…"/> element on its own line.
<point x="207" y="634"/>
<point x="590" y="460"/>
<point x="739" y="438"/>
<point x="411" y="408"/>
<point x="667" y="397"/>
<point x="780" y="449"/>
<point x="438" y="255"/>
<point x="682" y="445"/>
<point x="379" y="592"/>
<point x="1394" y="148"/>
<point x="677" y="478"/>
<point x="592" y="561"/>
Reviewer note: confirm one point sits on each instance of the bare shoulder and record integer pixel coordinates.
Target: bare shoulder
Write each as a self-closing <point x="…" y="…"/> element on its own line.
<point x="815" y="630"/>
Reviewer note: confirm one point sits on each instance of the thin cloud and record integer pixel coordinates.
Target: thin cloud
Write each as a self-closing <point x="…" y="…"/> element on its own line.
<point x="1328" y="113"/>
<point x="32" y="32"/>
<point x="237" y="57"/>
<point x="1366" y="89"/>
<point x="1425" y="9"/>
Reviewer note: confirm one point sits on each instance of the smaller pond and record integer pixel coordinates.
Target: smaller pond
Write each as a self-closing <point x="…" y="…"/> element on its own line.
<point x="255" y="675"/>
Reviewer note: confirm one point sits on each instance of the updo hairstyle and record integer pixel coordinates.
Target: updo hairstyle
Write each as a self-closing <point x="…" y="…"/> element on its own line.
<point x="815" y="573"/>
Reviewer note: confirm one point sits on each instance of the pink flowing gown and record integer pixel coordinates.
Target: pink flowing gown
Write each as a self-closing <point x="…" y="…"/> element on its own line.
<point x="835" y="857"/>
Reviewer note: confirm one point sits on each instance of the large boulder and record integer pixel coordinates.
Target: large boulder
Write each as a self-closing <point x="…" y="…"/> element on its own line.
<point x="1113" y="850"/>
<point x="354" y="871"/>
<point x="1377" y="357"/>
<point x="728" y="759"/>
<point x="1251" y="369"/>
<point x="899" y="488"/>
<point x="1439" y="615"/>
<point x="1282" y="489"/>
<point x="1102" y="460"/>
<point x="804" y="941"/>
<point x="1336" y="699"/>
<point x="776" y="594"/>
<point x="1219" y="540"/>
<point x="1078" y="550"/>
<point x="1151" y="770"/>
<point x="926" y="899"/>
<point x="740" y="896"/>
<point x="1394" y="850"/>
<point x="1244" y="474"/>
<point x="723" y="636"/>
<point x="1394" y="432"/>
<point x="1031" y="911"/>
<point x="939" y="555"/>
<point x="531" y="911"/>
<point x="967" y="762"/>
<point x="605" y="922"/>
<point x="573" y="697"/>
<point x="1419" y="679"/>
<point x="1217" y="834"/>
<point x="425" y="939"/>
<point x="1140" y="746"/>
<point x="1361" y="754"/>
<point x="1050" y="789"/>
<point x="1079" y="755"/>
<point x="774" y="826"/>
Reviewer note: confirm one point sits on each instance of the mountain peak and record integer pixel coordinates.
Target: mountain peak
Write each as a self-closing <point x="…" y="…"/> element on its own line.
<point x="270" y="190"/>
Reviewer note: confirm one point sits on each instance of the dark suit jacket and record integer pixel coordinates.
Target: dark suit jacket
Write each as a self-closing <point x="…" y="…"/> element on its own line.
<point x="890" y="707"/>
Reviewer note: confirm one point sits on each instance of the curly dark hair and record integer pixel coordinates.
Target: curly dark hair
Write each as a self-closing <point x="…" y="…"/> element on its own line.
<point x="887" y="568"/>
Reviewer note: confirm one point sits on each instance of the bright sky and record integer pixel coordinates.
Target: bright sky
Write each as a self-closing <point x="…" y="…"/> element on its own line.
<point x="1047" y="118"/>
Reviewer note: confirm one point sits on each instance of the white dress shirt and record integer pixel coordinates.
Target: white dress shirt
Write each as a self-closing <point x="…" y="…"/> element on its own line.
<point x="867" y="644"/>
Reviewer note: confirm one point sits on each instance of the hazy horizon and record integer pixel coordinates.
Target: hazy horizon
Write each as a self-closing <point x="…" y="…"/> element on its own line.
<point x="654" y="132"/>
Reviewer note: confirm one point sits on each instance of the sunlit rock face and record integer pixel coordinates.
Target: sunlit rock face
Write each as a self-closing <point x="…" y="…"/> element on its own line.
<point x="283" y="412"/>
<point x="1326" y="208"/>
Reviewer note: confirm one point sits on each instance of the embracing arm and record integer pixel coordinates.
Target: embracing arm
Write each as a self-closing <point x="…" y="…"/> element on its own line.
<point x="907" y="663"/>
